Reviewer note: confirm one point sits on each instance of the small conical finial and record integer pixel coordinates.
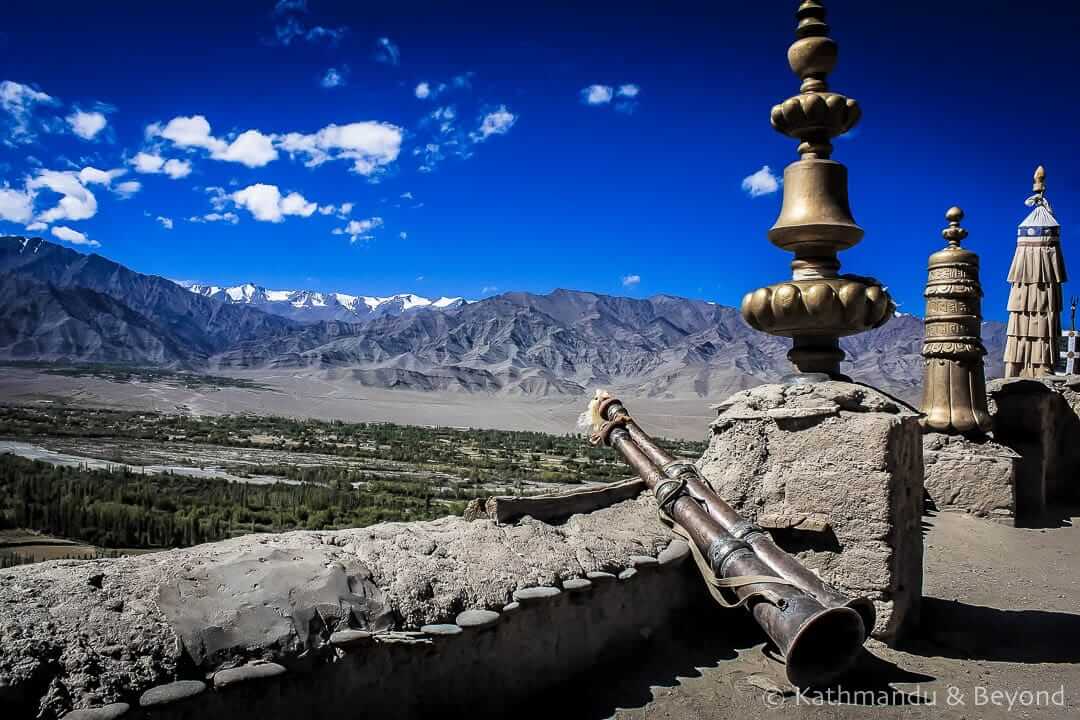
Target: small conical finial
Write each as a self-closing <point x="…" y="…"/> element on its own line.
<point x="954" y="233"/>
<point x="1039" y="185"/>
<point x="816" y="114"/>
<point x="813" y="54"/>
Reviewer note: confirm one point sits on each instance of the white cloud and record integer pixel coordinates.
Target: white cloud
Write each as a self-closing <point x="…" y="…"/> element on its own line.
<point x="631" y="281"/>
<point x="405" y="236"/>
<point x="333" y="78"/>
<point x="76" y="203"/>
<point x="153" y="164"/>
<point x="218" y="197"/>
<point x="359" y="229"/>
<point x="193" y="131"/>
<point x="762" y="182"/>
<point x="498" y="122"/>
<point x="597" y="94"/>
<point x="291" y="25"/>
<point x="445" y="117"/>
<point x="127" y="189"/>
<point x="423" y="91"/>
<point x="73" y="236"/>
<point x="229" y="217"/>
<point x="36" y="226"/>
<point x="250" y="148"/>
<point x="629" y="90"/>
<point x="147" y="163"/>
<point x="86" y="124"/>
<point x="370" y="145"/>
<point x="292" y="29"/>
<point x="488" y="289"/>
<point x="341" y="211"/>
<point x="287" y="6"/>
<point x="92" y="176"/>
<point x="176" y="169"/>
<point x="266" y="204"/>
<point x="387" y="52"/>
<point x="166" y="223"/>
<point x="19" y="101"/>
<point x="16" y="206"/>
<point x="296" y="204"/>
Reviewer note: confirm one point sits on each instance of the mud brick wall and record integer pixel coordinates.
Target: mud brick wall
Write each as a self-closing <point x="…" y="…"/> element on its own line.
<point x="835" y="471"/>
<point x="1040" y="420"/>
<point x="395" y="620"/>
<point x="971" y="476"/>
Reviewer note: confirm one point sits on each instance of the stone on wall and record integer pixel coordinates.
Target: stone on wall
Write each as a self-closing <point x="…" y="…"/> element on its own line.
<point x="972" y="476"/>
<point x="837" y="456"/>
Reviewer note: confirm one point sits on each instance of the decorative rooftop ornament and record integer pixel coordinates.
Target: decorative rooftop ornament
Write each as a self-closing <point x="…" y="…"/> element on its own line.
<point x="954" y="383"/>
<point x="818" y="305"/>
<point x="1036" y="274"/>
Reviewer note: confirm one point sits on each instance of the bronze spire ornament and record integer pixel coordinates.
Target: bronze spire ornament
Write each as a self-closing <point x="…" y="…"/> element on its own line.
<point x="818" y="305"/>
<point x="954" y="382"/>
<point x="1036" y="275"/>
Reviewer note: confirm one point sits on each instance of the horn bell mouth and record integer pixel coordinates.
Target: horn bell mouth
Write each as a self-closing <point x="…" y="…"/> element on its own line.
<point x="825" y="647"/>
<point x="865" y="607"/>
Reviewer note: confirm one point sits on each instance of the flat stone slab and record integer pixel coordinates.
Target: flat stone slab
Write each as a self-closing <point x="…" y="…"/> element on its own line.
<point x="171" y="693"/>
<point x="351" y="639"/>
<point x="278" y="597"/>
<point x="477" y="619"/>
<point x="246" y="673"/>
<point x="444" y="629"/>
<point x="106" y="712"/>
<point x="576" y="585"/>
<point x="674" y="554"/>
<point x="526" y="595"/>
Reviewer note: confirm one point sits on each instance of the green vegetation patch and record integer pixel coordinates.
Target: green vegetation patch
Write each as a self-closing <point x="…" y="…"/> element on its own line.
<point x="130" y="374"/>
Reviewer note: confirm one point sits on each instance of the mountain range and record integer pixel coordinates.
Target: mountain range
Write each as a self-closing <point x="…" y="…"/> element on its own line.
<point x="311" y="306"/>
<point x="59" y="305"/>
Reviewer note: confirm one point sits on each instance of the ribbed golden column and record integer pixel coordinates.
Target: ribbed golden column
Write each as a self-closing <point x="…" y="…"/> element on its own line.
<point x="818" y="305"/>
<point x="954" y="382"/>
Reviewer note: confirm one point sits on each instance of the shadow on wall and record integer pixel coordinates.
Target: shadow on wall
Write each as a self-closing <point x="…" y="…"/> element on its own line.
<point x="958" y="630"/>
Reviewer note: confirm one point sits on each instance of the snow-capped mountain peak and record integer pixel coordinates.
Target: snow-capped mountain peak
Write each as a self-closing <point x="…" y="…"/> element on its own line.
<point x="311" y="306"/>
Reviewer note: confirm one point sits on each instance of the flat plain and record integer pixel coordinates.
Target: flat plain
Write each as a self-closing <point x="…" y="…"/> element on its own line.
<point x="333" y="395"/>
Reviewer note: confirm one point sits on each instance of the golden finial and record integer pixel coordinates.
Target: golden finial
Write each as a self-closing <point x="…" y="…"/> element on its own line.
<point x="818" y="305"/>
<point x="1039" y="185"/>
<point x="815" y="115"/>
<point x="954" y="380"/>
<point x="954" y="233"/>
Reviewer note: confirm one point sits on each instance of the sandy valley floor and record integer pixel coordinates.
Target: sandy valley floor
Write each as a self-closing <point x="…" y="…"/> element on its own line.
<point x="330" y="396"/>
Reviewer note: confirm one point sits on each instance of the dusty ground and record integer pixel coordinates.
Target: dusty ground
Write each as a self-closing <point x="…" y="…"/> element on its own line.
<point x="329" y="396"/>
<point x="1001" y="613"/>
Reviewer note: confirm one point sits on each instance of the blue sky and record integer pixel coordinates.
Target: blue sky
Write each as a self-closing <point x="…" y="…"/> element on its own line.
<point x="288" y="144"/>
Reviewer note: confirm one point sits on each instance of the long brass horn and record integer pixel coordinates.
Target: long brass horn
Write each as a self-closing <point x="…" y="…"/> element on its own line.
<point x="779" y="561"/>
<point x="818" y="643"/>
